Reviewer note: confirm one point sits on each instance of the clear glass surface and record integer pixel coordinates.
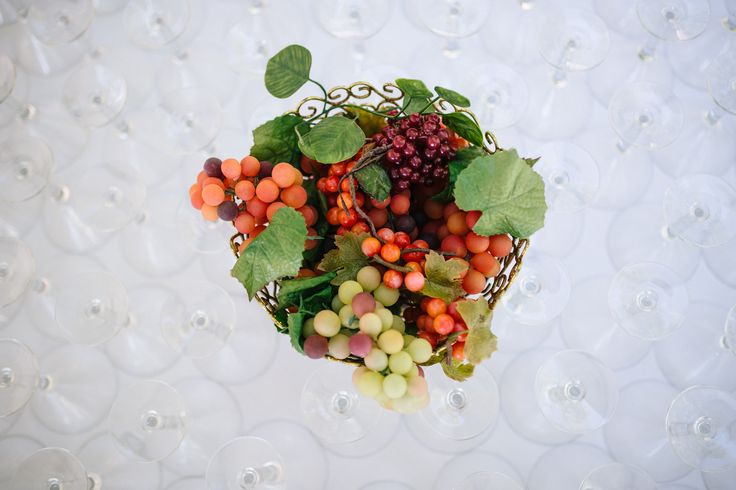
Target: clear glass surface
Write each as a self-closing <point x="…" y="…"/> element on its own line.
<point x="573" y="39"/>
<point x="452" y="18"/>
<point x="487" y="480"/>
<point x="674" y="20"/>
<point x="52" y="468"/>
<point x="468" y="464"/>
<point x="570" y="176"/>
<point x="722" y="80"/>
<point x="113" y="470"/>
<point x="18" y="376"/>
<point x="512" y="36"/>
<point x="7" y="76"/>
<point x="619" y="16"/>
<point x="59" y="21"/>
<point x="730" y="330"/>
<point x="499" y="93"/>
<point x="17" y="267"/>
<point x="13" y="450"/>
<point x="94" y="94"/>
<point x="246" y="463"/>
<point x="26" y="163"/>
<point x="352" y="19"/>
<point x="553" y="469"/>
<point x="562" y="232"/>
<point x="152" y="24"/>
<point x="617" y="476"/>
<point x="721" y="262"/>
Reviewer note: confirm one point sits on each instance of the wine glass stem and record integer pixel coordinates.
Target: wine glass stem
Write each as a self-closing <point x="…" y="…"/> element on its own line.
<point x="729" y="22"/>
<point x="152" y="420"/>
<point x="252" y="478"/>
<point x="649" y="49"/>
<point x="714" y="115"/>
<point x="358" y="54"/>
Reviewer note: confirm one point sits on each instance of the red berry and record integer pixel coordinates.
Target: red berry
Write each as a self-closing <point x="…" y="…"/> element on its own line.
<point x="474" y="282"/>
<point x="390" y="252"/>
<point x="370" y="246"/>
<point x="500" y="245"/>
<point x="454" y="245"/>
<point x="402" y="239"/>
<point x="435" y="307"/>
<point x="393" y="279"/>
<point x="476" y="243"/>
<point x="443" y="324"/>
<point x="458" y="351"/>
<point x="472" y="218"/>
<point x="414" y="281"/>
<point x="386" y="234"/>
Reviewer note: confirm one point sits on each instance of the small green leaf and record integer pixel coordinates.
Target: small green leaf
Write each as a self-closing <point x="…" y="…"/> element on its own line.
<point x="347" y="259"/>
<point x="452" y="97"/>
<point x="288" y="70"/>
<point x="291" y="291"/>
<point x="531" y="161"/>
<point x="275" y="253"/>
<point x="506" y="190"/>
<point x="481" y="342"/>
<point x="276" y="140"/>
<point x="332" y="140"/>
<point x="443" y="277"/>
<point x="461" y="161"/>
<point x="370" y="123"/>
<point x="459" y="371"/>
<point x="418" y="105"/>
<point x="295" y="322"/>
<point x="464" y="126"/>
<point x="413" y="88"/>
<point x="374" y="180"/>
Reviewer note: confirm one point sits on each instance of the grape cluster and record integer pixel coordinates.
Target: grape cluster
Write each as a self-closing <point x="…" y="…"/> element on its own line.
<point x="420" y="148"/>
<point x="359" y="324"/>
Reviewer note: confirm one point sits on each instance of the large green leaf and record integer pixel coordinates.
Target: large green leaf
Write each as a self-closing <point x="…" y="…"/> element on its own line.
<point x="292" y="291"/>
<point x="419" y="105"/>
<point x="452" y="97"/>
<point x="481" y="342"/>
<point x="457" y="165"/>
<point x="275" y="253"/>
<point x="444" y="277"/>
<point x="457" y="370"/>
<point x="374" y="180"/>
<point x="276" y="140"/>
<point x="370" y="123"/>
<point x="332" y="140"/>
<point x="507" y="191"/>
<point x="295" y="323"/>
<point x="464" y="126"/>
<point x="288" y="70"/>
<point x="413" y="88"/>
<point x="347" y="259"/>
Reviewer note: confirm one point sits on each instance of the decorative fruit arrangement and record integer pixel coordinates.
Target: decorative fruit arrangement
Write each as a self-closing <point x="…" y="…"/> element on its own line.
<point x="378" y="233"/>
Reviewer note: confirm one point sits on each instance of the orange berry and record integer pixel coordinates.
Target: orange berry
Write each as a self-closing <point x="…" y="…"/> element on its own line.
<point x="414" y="280"/>
<point x="212" y="180"/>
<point x="390" y="252"/>
<point x="272" y="208"/>
<point x="213" y="195"/>
<point x="456" y="223"/>
<point x="209" y="212"/>
<point x="450" y="209"/>
<point x="344" y="200"/>
<point x="201" y="176"/>
<point x="309" y="213"/>
<point x="245" y="190"/>
<point x="435" y="306"/>
<point x="309" y="244"/>
<point x="458" y="351"/>
<point x="443" y="324"/>
<point x="474" y="282"/>
<point x="244" y="244"/>
<point x="196" y="200"/>
<point x="257" y="208"/>
<point x="304" y="272"/>
<point x="414" y="266"/>
<point x="393" y="279"/>
<point x="386" y="234"/>
<point x="195" y="189"/>
<point x="294" y="196"/>
<point x="378" y="216"/>
<point x="284" y="175"/>
<point x="500" y="245"/>
<point x="333" y="216"/>
<point x="400" y="204"/>
<point x="245" y="222"/>
<point x="267" y="190"/>
<point x="370" y="246"/>
<point x="472" y="218"/>
<point x="231" y="168"/>
<point x="476" y="243"/>
<point x="250" y="166"/>
<point x="455" y="245"/>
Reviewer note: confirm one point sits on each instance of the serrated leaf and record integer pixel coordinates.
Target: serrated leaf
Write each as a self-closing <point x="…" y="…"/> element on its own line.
<point x="461" y="161"/>
<point x="531" y="161"/>
<point x="452" y="97"/>
<point x="276" y="140"/>
<point x="443" y="277"/>
<point x="413" y="88"/>
<point x="374" y="180"/>
<point x="292" y="291"/>
<point x="457" y="370"/>
<point x="370" y="123"/>
<point x="481" y="342"/>
<point x="295" y="322"/>
<point x="464" y="126"/>
<point x="275" y="253"/>
<point x="347" y="259"/>
<point x="288" y="70"/>
<point x="506" y="190"/>
<point x="435" y="359"/>
<point x="332" y="140"/>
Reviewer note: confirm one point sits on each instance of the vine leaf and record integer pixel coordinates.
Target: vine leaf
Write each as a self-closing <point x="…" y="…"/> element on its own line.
<point x="288" y="70"/>
<point x="332" y="140"/>
<point x="276" y="140"/>
<point x="464" y="126"/>
<point x="374" y="180"/>
<point x="481" y="342"/>
<point x="292" y="291"/>
<point x="443" y="277"/>
<point x="295" y="323"/>
<point x="413" y="88"/>
<point x="452" y="97"/>
<point x="370" y="123"/>
<point x="457" y="370"/>
<point x="461" y="161"/>
<point x="347" y="259"/>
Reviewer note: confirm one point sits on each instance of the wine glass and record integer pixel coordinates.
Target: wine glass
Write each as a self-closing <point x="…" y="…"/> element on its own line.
<point x="148" y="420"/>
<point x="648" y="300"/>
<point x="643" y="114"/>
<point x="570" y="176"/>
<point x="540" y="292"/>
<point x="553" y="469"/>
<point x="617" y="476"/>
<point x="26" y="163"/>
<point x="514" y="336"/>
<point x="452" y="20"/>
<point x="13" y="450"/>
<point x="570" y="40"/>
<point x="478" y="468"/>
<point x="17" y="268"/>
<point x="204" y="236"/>
<point x="458" y="414"/>
<point x="701" y="209"/>
<point x="721" y="263"/>
<point x="700" y="425"/>
<point x="640" y="234"/>
<point x="701" y="352"/>
<point x="671" y="20"/>
<point x="153" y="24"/>
<point x="561" y="233"/>
<point x="11" y="11"/>
<point x="114" y="469"/>
<point x="487" y="480"/>
<point x="500" y="93"/>
<point x="512" y="36"/>
<point x="94" y="94"/>
<point x="54" y="468"/>
<point x="575" y="391"/>
<point x="619" y="16"/>
<point x="246" y="462"/>
<point x="192" y="67"/>
<point x="636" y="434"/>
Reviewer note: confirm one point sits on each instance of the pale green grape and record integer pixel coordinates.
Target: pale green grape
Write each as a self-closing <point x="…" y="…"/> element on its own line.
<point x="413" y="372"/>
<point x="416" y="386"/>
<point x="327" y="323"/>
<point x="371" y="383"/>
<point x="338" y="346"/>
<point x="347" y="318"/>
<point x="387" y="318"/>
<point x="408" y="339"/>
<point x="398" y="324"/>
<point x="336" y="304"/>
<point x="400" y="363"/>
<point x="377" y="360"/>
<point x="394" y="386"/>
<point x="347" y="290"/>
<point x="391" y="341"/>
<point x="308" y="328"/>
<point x="369" y="277"/>
<point x="370" y="324"/>
<point x="420" y="350"/>
<point x="385" y="295"/>
<point x="359" y="371"/>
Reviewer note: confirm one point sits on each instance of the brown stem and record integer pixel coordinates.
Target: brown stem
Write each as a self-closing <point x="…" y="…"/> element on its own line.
<point x="426" y="251"/>
<point x="395" y="267"/>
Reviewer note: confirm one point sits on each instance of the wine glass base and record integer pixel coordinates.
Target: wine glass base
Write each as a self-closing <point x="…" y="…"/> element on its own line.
<point x="114" y="469"/>
<point x="13" y="450"/>
<point x="512" y="36"/>
<point x="721" y="262"/>
<point x="514" y="337"/>
<point x="18" y="376"/>
<point x="553" y="469"/>
<point x="460" y="467"/>
<point x="561" y="233"/>
<point x="48" y="466"/>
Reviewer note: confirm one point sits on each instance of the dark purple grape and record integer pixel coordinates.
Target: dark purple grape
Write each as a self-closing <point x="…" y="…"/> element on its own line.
<point x="405" y="223"/>
<point x="405" y="172"/>
<point x="393" y="156"/>
<point x="415" y="162"/>
<point x="437" y="172"/>
<point x="212" y="168"/>
<point x="431" y="239"/>
<point x="411" y="134"/>
<point x="433" y="142"/>
<point x="420" y="218"/>
<point x="425" y="170"/>
<point x="393" y="172"/>
<point x="227" y="210"/>
<point x="402" y="185"/>
<point x="415" y="120"/>
<point x="399" y="142"/>
<point x="415" y="177"/>
<point x="266" y="168"/>
<point x="429" y="154"/>
<point x="443" y="134"/>
<point x="444" y="151"/>
<point x="409" y="150"/>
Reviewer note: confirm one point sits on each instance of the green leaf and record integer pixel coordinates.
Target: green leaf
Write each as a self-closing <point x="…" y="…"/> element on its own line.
<point x="319" y="201"/>
<point x="292" y="291"/>
<point x="275" y="253"/>
<point x="452" y="97"/>
<point x="316" y="301"/>
<point x="295" y="322"/>
<point x="288" y="70"/>
<point x="418" y="105"/>
<point x="459" y="371"/>
<point x="347" y="259"/>
<point x="481" y="342"/>
<point x="332" y="140"/>
<point x="531" y="161"/>
<point x="374" y="180"/>
<point x="461" y="161"/>
<point x="370" y="123"/>
<point x="464" y="126"/>
<point x="413" y="88"/>
<point x="277" y="141"/>
<point x="443" y="277"/>
<point x="507" y="191"/>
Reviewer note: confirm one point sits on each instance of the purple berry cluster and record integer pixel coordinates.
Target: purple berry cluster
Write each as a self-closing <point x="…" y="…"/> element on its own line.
<point x="419" y="152"/>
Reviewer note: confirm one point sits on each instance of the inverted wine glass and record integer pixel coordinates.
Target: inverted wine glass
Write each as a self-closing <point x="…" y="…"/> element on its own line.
<point x="700" y="425"/>
<point x="26" y="163"/>
<point x="452" y="20"/>
<point x="512" y="36"/>
<point x="17" y="268"/>
<point x="190" y="67"/>
<point x="619" y="16"/>
<point x="570" y="175"/>
<point x="701" y="209"/>
<point x="553" y="469"/>
<point x="671" y="20"/>
<point x="730" y="330"/>
<point x="13" y="450"/>
<point x="562" y="232"/>
<point x="514" y="336"/>
<point x="617" y="476"/>
<point x="54" y="468"/>
<point x="501" y="94"/>
<point x="648" y="300"/>
<point x="246" y="463"/>
<point x="116" y="470"/>
<point x="488" y="480"/>
<point x="386" y="485"/>
<point x="477" y="468"/>
<point x="153" y="24"/>
<point x="94" y="94"/>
